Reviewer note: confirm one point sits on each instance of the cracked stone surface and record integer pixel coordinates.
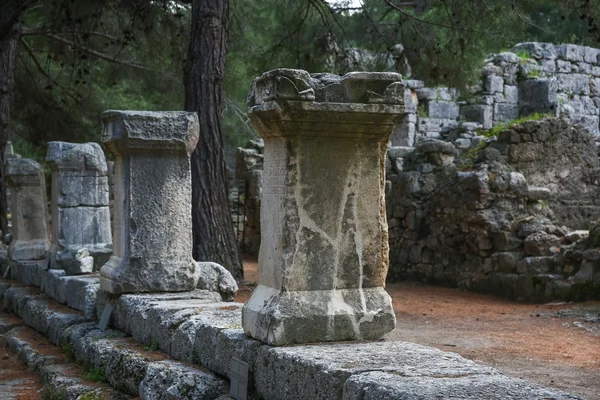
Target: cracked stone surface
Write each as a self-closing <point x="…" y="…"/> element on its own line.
<point x="324" y="252"/>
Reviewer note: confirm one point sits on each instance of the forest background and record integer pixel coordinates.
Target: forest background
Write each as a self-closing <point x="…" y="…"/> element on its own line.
<point x="71" y="60"/>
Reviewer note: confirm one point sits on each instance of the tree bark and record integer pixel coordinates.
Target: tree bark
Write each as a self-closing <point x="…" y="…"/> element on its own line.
<point x="214" y="235"/>
<point x="10" y="12"/>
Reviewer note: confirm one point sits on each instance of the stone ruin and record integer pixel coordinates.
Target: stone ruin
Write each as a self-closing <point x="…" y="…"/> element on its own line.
<point x="554" y="163"/>
<point x="81" y="230"/>
<point x="323" y="260"/>
<point x="492" y="226"/>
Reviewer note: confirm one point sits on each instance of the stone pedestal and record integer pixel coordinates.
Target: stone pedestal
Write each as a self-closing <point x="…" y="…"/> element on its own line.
<point x="80" y="213"/>
<point x="324" y="252"/>
<point x="152" y="235"/>
<point x="30" y="241"/>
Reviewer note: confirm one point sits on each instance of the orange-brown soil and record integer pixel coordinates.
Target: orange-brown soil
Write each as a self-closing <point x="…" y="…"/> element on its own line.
<point x="522" y="340"/>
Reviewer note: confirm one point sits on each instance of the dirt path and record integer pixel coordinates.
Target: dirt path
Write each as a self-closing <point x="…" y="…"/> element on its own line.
<point x="523" y="340"/>
<point x="16" y="381"/>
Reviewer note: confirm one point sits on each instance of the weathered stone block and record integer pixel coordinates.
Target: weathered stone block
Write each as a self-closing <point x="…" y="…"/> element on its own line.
<point x="536" y="50"/>
<point x="383" y="385"/>
<point x="570" y="52"/>
<point x="152" y="227"/>
<point x="29" y="210"/>
<point x="539" y="90"/>
<point x="480" y="113"/>
<point x="504" y="112"/>
<point x="494" y="84"/>
<point x="442" y="109"/>
<point x="316" y="284"/>
<point x="319" y="372"/>
<point x="216" y="278"/>
<point x="574" y="83"/>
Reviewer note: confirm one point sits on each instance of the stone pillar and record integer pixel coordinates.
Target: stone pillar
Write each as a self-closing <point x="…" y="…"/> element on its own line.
<point x="80" y="213"/>
<point x="30" y="241"/>
<point x="152" y="239"/>
<point x="324" y="254"/>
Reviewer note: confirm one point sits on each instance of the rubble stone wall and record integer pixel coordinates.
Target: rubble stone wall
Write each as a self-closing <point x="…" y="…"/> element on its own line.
<point x="497" y="226"/>
<point x="531" y="78"/>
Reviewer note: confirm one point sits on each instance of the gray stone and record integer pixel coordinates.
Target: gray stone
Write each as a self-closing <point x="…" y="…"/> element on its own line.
<point x="385" y="386"/>
<point x="506" y="57"/>
<point x="216" y="278"/>
<point x="462" y="143"/>
<point x="319" y="372"/>
<point x="505" y="262"/>
<point x="442" y="109"/>
<point x="480" y="113"/>
<point x="570" y="52"/>
<point x="575" y="236"/>
<point x="535" y="193"/>
<point x="538" y="90"/>
<point x="153" y="231"/>
<point x="399" y="151"/>
<point x="437" y="93"/>
<point x="589" y="122"/>
<point x="80" y="201"/>
<point x="536" y="50"/>
<point x="541" y="244"/>
<point x="29" y="210"/>
<point x="505" y="112"/>
<point x="316" y="283"/>
<point x="166" y="380"/>
<point x="435" y="124"/>
<point x="75" y="261"/>
<point x="535" y="265"/>
<point x="574" y="83"/>
<point x="494" y="84"/>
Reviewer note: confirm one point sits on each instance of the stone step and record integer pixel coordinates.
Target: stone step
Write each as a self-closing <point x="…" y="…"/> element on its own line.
<point x="194" y="327"/>
<point x="126" y="365"/>
<point x="62" y="378"/>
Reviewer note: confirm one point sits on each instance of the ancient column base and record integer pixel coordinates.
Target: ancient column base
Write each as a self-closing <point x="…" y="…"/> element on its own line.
<point x="281" y="318"/>
<point x="120" y="275"/>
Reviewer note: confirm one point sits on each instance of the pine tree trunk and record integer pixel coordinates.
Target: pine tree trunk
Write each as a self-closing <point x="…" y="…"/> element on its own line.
<point x="10" y="28"/>
<point x="214" y="235"/>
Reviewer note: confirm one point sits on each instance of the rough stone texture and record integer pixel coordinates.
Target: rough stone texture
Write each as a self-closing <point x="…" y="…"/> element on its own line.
<point x="152" y="227"/>
<point x="493" y="220"/>
<point x="249" y="165"/>
<point x="78" y="292"/>
<point x="75" y="261"/>
<point x="29" y="210"/>
<point x="385" y="386"/>
<point x="328" y="371"/>
<point x="215" y="278"/>
<point x="323" y="257"/>
<point x="80" y="203"/>
<point x="411" y="371"/>
<point x="166" y="380"/>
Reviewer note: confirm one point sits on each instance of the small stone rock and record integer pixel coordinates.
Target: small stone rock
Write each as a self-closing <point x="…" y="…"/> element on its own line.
<point x="216" y="278"/>
<point x="75" y="261"/>
<point x="541" y="244"/>
<point x="535" y="193"/>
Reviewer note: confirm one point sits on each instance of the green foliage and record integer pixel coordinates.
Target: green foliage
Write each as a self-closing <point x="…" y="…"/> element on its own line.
<point x="62" y="89"/>
<point x="94" y="374"/>
<point x="469" y="157"/>
<point x="495" y="131"/>
<point x="67" y="348"/>
<point x="94" y="395"/>
<point x="152" y="347"/>
<point x="523" y="55"/>
<point x="421" y="112"/>
<point x="50" y="393"/>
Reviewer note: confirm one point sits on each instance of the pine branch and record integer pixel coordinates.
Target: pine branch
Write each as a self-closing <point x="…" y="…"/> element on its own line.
<point x="97" y="54"/>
